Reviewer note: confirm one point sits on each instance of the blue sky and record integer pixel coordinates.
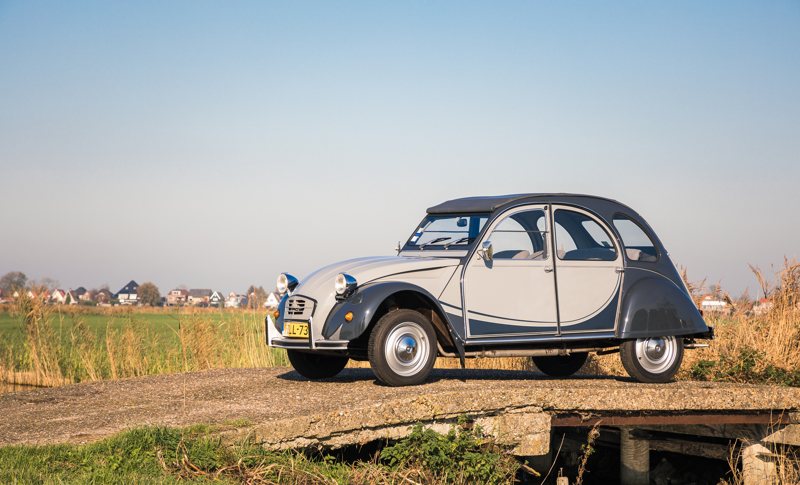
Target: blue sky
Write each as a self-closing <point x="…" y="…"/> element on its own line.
<point x="217" y="144"/>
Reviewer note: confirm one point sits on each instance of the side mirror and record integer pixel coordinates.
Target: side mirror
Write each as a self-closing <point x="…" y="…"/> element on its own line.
<point x="486" y="251"/>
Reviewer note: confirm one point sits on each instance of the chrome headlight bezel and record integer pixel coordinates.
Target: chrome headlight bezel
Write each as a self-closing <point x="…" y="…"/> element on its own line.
<point x="344" y="285"/>
<point x="286" y="282"/>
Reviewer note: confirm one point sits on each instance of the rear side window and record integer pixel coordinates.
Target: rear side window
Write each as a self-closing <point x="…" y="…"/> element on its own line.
<point x="638" y="244"/>
<point x="579" y="238"/>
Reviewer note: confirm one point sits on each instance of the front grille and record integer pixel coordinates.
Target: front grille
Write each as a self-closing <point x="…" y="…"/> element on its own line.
<point x="297" y="307"/>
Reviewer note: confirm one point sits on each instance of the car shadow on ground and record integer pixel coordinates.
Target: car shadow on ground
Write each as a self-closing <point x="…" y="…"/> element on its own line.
<point x="462" y="375"/>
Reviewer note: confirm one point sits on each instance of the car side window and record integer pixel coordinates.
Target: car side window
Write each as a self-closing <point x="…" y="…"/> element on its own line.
<point x="580" y="238"/>
<point x="521" y="236"/>
<point x="639" y="245"/>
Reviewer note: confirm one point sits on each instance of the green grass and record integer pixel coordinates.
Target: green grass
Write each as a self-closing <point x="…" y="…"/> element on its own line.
<point x="196" y="455"/>
<point x="42" y="344"/>
<point x="10" y="327"/>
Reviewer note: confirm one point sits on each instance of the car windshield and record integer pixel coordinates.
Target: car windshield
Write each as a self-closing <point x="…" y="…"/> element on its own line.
<point x="446" y="232"/>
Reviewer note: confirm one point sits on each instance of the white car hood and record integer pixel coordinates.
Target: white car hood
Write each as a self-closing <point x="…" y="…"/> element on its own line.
<point x="319" y="284"/>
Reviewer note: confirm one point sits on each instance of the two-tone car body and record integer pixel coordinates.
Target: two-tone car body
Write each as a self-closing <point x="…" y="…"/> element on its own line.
<point x="549" y="276"/>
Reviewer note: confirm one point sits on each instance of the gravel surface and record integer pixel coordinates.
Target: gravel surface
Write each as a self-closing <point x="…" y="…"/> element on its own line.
<point x="279" y="401"/>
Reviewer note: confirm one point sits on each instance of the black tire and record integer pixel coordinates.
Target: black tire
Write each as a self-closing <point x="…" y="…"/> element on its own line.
<point x="561" y="365"/>
<point x="316" y="366"/>
<point x="655" y="359"/>
<point x="402" y="348"/>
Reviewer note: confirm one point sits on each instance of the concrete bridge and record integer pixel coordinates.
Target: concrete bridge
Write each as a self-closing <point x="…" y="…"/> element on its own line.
<point x="520" y="409"/>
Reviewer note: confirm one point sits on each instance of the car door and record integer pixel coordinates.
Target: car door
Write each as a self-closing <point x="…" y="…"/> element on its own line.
<point x="514" y="292"/>
<point x="588" y="268"/>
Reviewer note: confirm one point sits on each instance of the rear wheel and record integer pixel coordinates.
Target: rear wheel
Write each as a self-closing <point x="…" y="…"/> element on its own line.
<point x="402" y="348"/>
<point x="654" y="359"/>
<point x="316" y="366"/>
<point x="561" y="365"/>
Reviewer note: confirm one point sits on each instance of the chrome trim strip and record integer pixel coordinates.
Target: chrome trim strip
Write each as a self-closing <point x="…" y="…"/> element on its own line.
<point x="537" y="339"/>
<point x="433" y="254"/>
<point x="311" y="332"/>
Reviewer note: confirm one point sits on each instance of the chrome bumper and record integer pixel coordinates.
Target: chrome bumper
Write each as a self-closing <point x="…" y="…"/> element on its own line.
<point x="286" y="343"/>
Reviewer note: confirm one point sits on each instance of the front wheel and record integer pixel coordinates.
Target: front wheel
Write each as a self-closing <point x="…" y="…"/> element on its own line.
<point x="654" y="359"/>
<point x="402" y="348"/>
<point x="561" y="365"/>
<point x="316" y="366"/>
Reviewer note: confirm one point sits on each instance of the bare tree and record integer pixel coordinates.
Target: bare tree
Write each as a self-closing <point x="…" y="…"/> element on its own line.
<point x="13" y="280"/>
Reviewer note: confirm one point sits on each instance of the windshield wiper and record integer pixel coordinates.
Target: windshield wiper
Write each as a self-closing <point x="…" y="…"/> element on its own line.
<point x="457" y="241"/>
<point x="438" y="239"/>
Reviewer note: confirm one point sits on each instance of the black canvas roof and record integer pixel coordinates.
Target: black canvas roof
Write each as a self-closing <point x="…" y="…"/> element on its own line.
<point x="491" y="203"/>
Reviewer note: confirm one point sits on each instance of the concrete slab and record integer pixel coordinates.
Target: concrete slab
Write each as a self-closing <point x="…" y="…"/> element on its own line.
<point x="284" y="409"/>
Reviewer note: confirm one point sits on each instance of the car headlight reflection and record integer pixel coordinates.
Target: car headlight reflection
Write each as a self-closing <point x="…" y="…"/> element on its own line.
<point x="286" y="282"/>
<point x="345" y="285"/>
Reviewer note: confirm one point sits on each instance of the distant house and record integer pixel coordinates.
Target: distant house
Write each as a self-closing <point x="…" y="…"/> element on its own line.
<point x="177" y="297"/>
<point x="103" y="296"/>
<point x="87" y="296"/>
<point x="273" y="300"/>
<point x="59" y="297"/>
<point x="199" y="297"/>
<point x="763" y="306"/>
<point x="713" y="305"/>
<point x="216" y="298"/>
<point x="44" y="296"/>
<point x="236" y="301"/>
<point x="128" y="294"/>
<point x="74" y="297"/>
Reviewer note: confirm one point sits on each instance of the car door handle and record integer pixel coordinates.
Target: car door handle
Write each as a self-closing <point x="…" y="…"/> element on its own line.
<point x="620" y="270"/>
<point x="548" y="269"/>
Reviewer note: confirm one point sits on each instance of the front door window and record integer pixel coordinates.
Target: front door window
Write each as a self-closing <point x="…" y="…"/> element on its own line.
<point x="514" y="293"/>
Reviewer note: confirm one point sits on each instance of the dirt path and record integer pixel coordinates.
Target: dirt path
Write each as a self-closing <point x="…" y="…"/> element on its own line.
<point x="285" y="404"/>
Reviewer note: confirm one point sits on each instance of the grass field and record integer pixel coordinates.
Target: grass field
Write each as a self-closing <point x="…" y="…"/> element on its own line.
<point x="162" y="324"/>
<point x="46" y="345"/>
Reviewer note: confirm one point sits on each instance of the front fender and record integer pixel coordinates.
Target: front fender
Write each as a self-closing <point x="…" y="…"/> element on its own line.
<point x="656" y="307"/>
<point x="364" y="304"/>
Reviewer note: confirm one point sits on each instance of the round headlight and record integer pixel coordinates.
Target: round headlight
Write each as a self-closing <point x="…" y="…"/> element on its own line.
<point x="282" y="284"/>
<point x="286" y="282"/>
<point x="340" y="284"/>
<point x="344" y="284"/>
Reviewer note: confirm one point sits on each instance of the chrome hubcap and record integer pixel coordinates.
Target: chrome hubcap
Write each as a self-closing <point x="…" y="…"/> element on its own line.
<point x="407" y="349"/>
<point x="656" y="354"/>
<point x="655" y="348"/>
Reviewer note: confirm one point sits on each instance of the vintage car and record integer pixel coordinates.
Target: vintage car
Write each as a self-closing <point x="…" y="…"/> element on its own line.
<point x="547" y="276"/>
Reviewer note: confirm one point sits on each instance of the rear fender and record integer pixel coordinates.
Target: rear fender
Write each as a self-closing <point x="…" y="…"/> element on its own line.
<point x="653" y="306"/>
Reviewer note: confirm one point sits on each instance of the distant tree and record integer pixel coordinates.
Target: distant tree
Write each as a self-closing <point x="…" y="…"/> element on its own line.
<point x="257" y="296"/>
<point x="149" y="294"/>
<point x="48" y="284"/>
<point x="183" y="287"/>
<point x="13" y="280"/>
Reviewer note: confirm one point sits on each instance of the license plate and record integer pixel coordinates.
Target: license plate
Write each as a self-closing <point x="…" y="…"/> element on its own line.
<point x="295" y="329"/>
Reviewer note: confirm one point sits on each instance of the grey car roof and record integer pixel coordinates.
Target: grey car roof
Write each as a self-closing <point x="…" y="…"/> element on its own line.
<point x="491" y="203"/>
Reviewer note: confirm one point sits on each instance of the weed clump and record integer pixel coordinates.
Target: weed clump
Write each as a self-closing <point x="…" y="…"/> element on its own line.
<point x="460" y="456"/>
